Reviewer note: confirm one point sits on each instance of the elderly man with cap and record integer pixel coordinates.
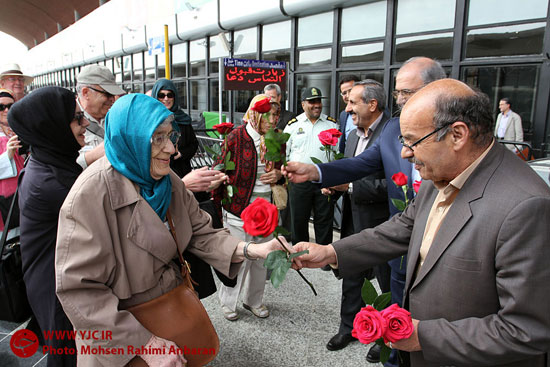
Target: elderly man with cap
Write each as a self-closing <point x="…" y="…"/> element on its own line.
<point x="12" y="78"/>
<point x="97" y="91"/>
<point x="303" y="144"/>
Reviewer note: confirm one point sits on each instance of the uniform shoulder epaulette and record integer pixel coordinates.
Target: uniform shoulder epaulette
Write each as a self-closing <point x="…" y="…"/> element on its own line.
<point x="331" y="119"/>
<point x="292" y="121"/>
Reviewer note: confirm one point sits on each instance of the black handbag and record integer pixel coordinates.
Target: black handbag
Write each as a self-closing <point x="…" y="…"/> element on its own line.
<point x="14" y="305"/>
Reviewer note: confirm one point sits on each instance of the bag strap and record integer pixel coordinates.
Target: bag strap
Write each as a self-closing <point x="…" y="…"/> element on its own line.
<point x="185" y="269"/>
<point x="7" y="222"/>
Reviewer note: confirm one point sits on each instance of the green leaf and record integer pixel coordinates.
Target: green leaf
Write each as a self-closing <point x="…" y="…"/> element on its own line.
<point x="316" y="160"/>
<point x="230" y="166"/>
<point x="338" y="156"/>
<point x="272" y="146"/>
<point x="219" y="167"/>
<point x="368" y="292"/>
<point x="217" y="148"/>
<point x="229" y="189"/>
<point x="322" y="148"/>
<point x="273" y="157"/>
<point x="296" y="254"/>
<point x="278" y="274"/>
<point x="380" y="342"/>
<point x="225" y="201"/>
<point x="227" y="157"/>
<point x="210" y="151"/>
<point x="382" y="301"/>
<point x="275" y="258"/>
<point x="282" y="230"/>
<point x="384" y="354"/>
<point x="399" y="204"/>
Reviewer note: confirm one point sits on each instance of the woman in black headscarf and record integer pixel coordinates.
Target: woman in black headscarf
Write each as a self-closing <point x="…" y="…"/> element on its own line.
<point x="51" y="122"/>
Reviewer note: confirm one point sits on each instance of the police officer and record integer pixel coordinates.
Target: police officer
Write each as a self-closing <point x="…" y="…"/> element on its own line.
<point x="303" y="144"/>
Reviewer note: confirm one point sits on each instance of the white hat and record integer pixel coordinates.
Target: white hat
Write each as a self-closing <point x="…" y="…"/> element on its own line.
<point x="15" y="70"/>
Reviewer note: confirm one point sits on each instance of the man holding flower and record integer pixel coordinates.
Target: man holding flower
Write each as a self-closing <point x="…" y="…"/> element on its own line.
<point x="303" y="144"/>
<point x="477" y="248"/>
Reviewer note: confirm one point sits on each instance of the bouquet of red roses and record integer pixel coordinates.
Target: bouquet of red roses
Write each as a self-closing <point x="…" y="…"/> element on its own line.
<point x="376" y="324"/>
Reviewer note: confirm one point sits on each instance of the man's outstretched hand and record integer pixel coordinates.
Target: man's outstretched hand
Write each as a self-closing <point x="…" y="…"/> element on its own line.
<point x="298" y="172"/>
<point x="319" y="255"/>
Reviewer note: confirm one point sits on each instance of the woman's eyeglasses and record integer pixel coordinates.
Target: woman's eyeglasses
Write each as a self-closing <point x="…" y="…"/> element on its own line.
<point x="79" y="117"/>
<point x="4" y="106"/>
<point x="164" y="95"/>
<point x="160" y="140"/>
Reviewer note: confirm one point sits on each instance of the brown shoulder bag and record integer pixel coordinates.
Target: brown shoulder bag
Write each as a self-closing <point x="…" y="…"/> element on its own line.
<point x="180" y="317"/>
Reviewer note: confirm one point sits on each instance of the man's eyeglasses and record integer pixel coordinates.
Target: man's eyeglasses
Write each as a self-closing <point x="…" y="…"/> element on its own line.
<point x="411" y="146"/>
<point x="4" y="106"/>
<point x="79" y="117"/>
<point x="106" y="94"/>
<point x="345" y="93"/>
<point x="404" y="92"/>
<point x="164" y="95"/>
<point x="14" y="79"/>
<point x="160" y="140"/>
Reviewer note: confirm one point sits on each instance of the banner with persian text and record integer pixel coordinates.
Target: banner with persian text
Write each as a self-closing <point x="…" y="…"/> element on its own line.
<point x="244" y="74"/>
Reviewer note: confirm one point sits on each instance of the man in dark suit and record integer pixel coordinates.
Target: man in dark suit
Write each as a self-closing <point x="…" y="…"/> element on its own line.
<point x="274" y="91"/>
<point x="346" y="123"/>
<point x="365" y="203"/>
<point x="477" y="247"/>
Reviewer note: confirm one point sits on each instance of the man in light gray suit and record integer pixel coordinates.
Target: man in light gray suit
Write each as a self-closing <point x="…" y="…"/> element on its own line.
<point x="477" y="238"/>
<point x="508" y="126"/>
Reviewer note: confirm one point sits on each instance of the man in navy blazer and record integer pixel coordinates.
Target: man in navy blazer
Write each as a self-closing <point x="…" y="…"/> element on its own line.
<point x="346" y="122"/>
<point x="384" y="153"/>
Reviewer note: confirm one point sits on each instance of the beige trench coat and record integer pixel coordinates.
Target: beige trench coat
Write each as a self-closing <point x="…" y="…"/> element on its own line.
<point x="113" y="251"/>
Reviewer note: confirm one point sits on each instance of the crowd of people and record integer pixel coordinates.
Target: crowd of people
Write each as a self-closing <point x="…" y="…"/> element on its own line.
<point x="108" y="199"/>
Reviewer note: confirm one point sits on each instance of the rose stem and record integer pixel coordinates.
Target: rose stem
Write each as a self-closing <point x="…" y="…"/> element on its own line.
<point x="302" y="275"/>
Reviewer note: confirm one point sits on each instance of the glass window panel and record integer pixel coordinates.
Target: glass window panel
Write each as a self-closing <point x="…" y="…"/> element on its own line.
<point x="217" y="51"/>
<point x="277" y="56"/>
<point x="197" y="56"/>
<point x="522" y="39"/>
<point x="127" y="68"/>
<point x="424" y="15"/>
<point x="138" y="66"/>
<point x="117" y="70"/>
<point x="243" y="98"/>
<point x="315" y="29"/>
<point x="214" y="98"/>
<point x="179" y="60"/>
<point x="315" y="57"/>
<point x="138" y="88"/>
<point x="519" y="83"/>
<point x="182" y="93"/>
<point x="355" y="27"/>
<point x="150" y="65"/>
<point x="198" y="95"/>
<point x="438" y="46"/>
<point x="362" y="53"/>
<point x="246" y="42"/>
<point x="319" y="80"/>
<point x="276" y="36"/>
<point x="497" y="11"/>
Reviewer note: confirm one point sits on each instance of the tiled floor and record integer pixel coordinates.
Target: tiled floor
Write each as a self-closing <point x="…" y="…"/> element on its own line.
<point x="294" y="335"/>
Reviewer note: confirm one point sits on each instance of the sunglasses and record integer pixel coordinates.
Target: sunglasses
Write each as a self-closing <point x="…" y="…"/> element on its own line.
<point x="164" y="95"/>
<point x="78" y="117"/>
<point x="106" y="94"/>
<point x="4" y="106"/>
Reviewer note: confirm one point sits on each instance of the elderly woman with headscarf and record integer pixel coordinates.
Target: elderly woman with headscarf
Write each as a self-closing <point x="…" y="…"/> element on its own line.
<point x="114" y="248"/>
<point x="51" y="122"/>
<point x="11" y="163"/>
<point x="253" y="176"/>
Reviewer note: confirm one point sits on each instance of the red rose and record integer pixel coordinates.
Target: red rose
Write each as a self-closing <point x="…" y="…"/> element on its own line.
<point x="326" y="138"/>
<point x="335" y="132"/>
<point x="262" y="106"/>
<point x="416" y="185"/>
<point x="224" y="127"/>
<point x="260" y="218"/>
<point x="400" y="179"/>
<point x="399" y="323"/>
<point x="369" y="325"/>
